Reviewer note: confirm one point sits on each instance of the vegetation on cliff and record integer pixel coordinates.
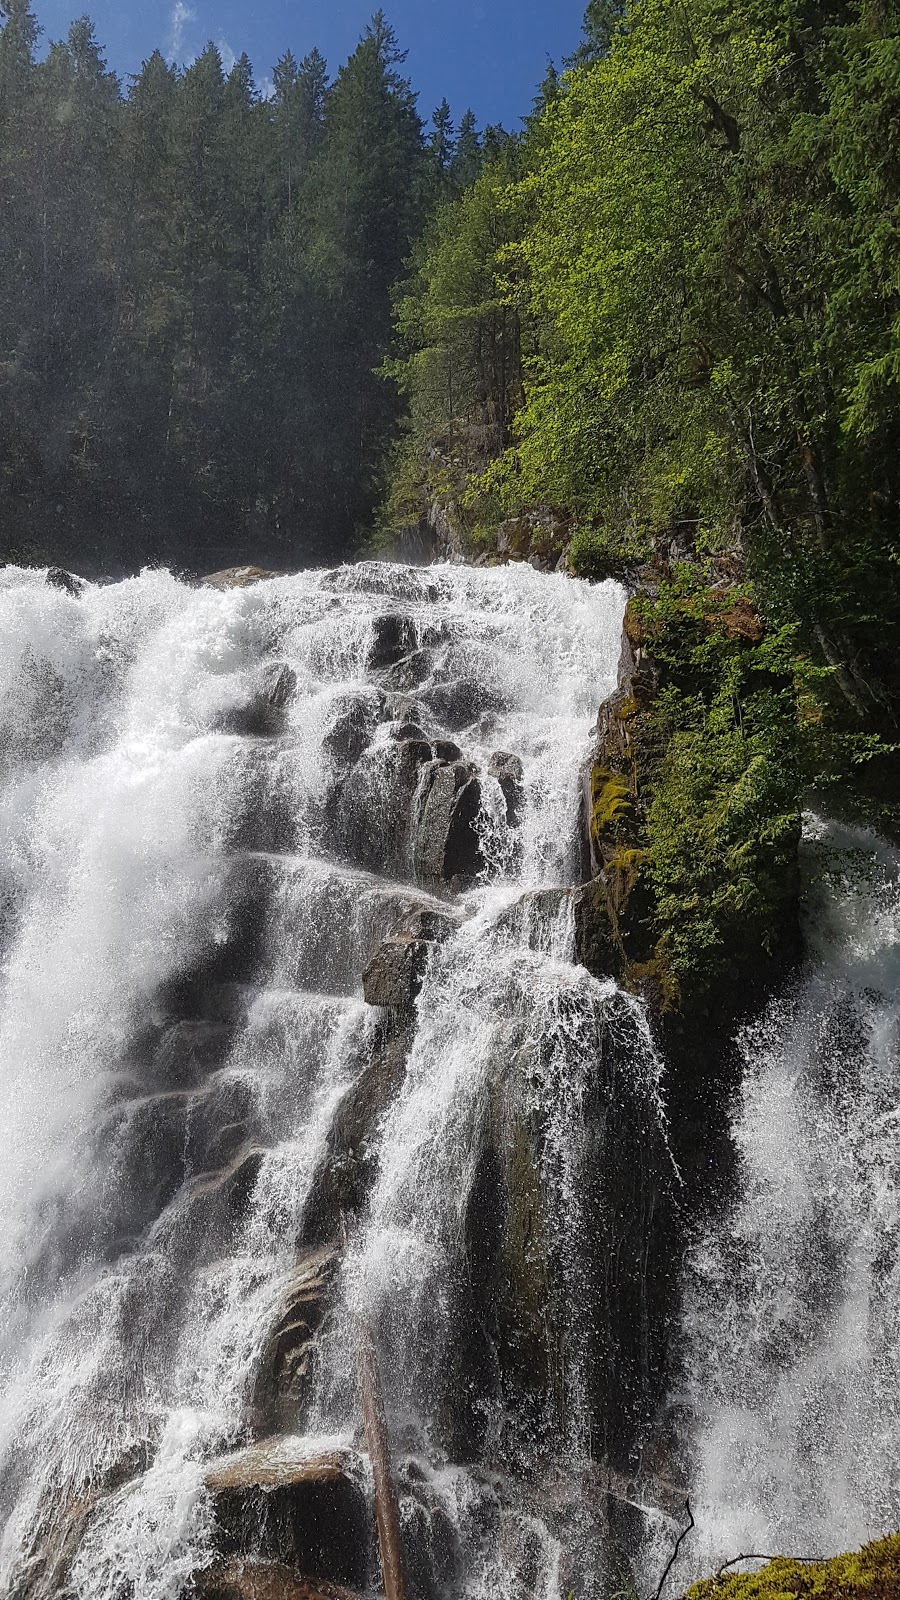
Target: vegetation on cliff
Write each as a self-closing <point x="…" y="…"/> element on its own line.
<point x="872" y="1573"/>
<point x="694" y="251"/>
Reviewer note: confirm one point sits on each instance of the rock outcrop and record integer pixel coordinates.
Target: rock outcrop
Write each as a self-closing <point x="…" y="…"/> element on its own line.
<point x="237" y="577"/>
<point x="274" y="1503"/>
<point x="447" y="846"/>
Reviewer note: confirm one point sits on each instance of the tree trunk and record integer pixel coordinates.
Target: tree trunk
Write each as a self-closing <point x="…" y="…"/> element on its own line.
<point x="387" y="1508"/>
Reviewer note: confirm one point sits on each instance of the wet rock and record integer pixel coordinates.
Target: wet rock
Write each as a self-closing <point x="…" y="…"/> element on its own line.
<point x="509" y="774"/>
<point x="596" y="946"/>
<point x="459" y="703"/>
<point x="235" y="939"/>
<point x="534" y="919"/>
<point x="428" y="922"/>
<point x="307" y="1512"/>
<point x="341" y="1185"/>
<point x="354" y="721"/>
<point x="69" y="582"/>
<point x="394" y="975"/>
<point x="287" y="1361"/>
<point x="432" y="1547"/>
<point x="262" y="1580"/>
<point x="368" y="819"/>
<point x="446" y="750"/>
<point x="447" y="847"/>
<point x="235" y="1182"/>
<point x="236" y="577"/>
<point x="393" y="637"/>
<point x="407" y="730"/>
<point x="263" y="715"/>
<point x="410" y="672"/>
<point x="173" y="1055"/>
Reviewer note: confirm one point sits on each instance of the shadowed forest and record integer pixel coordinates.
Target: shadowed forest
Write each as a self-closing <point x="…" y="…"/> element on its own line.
<point x="195" y="295"/>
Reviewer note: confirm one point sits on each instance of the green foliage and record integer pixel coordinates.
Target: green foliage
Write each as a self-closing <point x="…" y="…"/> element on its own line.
<point x="871" y="1574"/>
<point x="705" y="822"/>
<point x="598" y="552"/>
<point x="699" y="242"/>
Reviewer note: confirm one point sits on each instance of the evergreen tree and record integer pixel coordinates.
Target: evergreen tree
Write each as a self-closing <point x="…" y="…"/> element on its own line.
<point x="467" y="157"/>
<point x="441" y="144"/>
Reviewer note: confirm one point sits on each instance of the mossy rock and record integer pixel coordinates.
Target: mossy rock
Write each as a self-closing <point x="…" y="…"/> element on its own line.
<point x="873" y="1573"/>
<point x="611" y="801"/>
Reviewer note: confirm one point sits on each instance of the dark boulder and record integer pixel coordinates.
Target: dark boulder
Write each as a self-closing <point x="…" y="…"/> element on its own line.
<point x="394" y="975"/>
<point x="353" y="724"/>
<point x="447" y="847"/>
<point x="287" y="1361"/>
<point x="596" y="945"/>
<point x="393" y="637"/>
<point x="262" y="716"/>
<point x="509" y="774"/>
<point x="262" y="1580"/>
<point x="310" y="1514"/>
<point x="69" y="582"/>
<point x="341" y="1185"/>
<point x="446" y="750"/>
<point x="410" y="672"/>
<point x="461" y="702"/>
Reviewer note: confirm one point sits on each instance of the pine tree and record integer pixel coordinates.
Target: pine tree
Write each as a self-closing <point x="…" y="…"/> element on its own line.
<point x="441" y="144"/>
<point x="368" y="183"/>
<point x="467" y="157"/>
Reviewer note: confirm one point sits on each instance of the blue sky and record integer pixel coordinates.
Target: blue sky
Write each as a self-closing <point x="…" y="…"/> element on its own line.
<point x="489" y="54"/>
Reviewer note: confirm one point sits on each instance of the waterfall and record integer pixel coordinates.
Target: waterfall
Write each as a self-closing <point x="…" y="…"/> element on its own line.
<point x="791" y="1374"/>
<point x="297" y="1052"/>
<point x="226" y="1149"/>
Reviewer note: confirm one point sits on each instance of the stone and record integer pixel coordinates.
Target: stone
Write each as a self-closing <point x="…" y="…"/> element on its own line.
<point x="429" y="922"/>
<point x="447" y="848"/>
<point x="394" y="975"/>
<point x="393" y="637"/>
<point x="263" y="714"/>
<point x="69" y="582"/>
<point x="595" y="941"/>
<point x="509" y="773"/>
<point x="262" y="1580"/>
<point x="410" y="672"/>
<point x="235" y="1182"/>
<point x="446" y="750"/>
<point x="287" y="1361"/>
<point x="237" y="577"/>
<point x="275" y="1502"/>
<point x="533" y="919"/>
<point x="460" y="702"/>
<point x="354" y="723"/>
<point x="341" y="1185"/>
<point x="404" y="731"/>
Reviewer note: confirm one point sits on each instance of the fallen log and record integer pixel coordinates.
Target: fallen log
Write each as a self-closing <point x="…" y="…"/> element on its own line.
<point x="387" y="1505"/>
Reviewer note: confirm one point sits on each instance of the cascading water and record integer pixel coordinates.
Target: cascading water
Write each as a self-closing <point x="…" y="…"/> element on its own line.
<point x="218" y="809"/>
<point x="792" y="1315"/>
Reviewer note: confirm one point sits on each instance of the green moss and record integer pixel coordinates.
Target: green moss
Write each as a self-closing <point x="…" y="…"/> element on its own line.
<point x="611" y="801"/>
<point x="871" y="1574"/>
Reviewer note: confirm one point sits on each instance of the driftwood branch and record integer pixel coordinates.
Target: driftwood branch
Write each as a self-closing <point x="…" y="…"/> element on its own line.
<point x="735" y="1559"/>
<point x="387" y="1506"/>
<point x="678" y="1543"/>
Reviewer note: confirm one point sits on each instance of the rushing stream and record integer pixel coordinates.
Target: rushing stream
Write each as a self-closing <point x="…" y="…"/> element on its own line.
<point x="296" y="1048"/>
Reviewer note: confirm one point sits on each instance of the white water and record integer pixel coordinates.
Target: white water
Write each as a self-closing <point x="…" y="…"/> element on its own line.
<point x="793" y="1300"/>
<point x="134" y="1310"/>
<point x="137" y="1300"/>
